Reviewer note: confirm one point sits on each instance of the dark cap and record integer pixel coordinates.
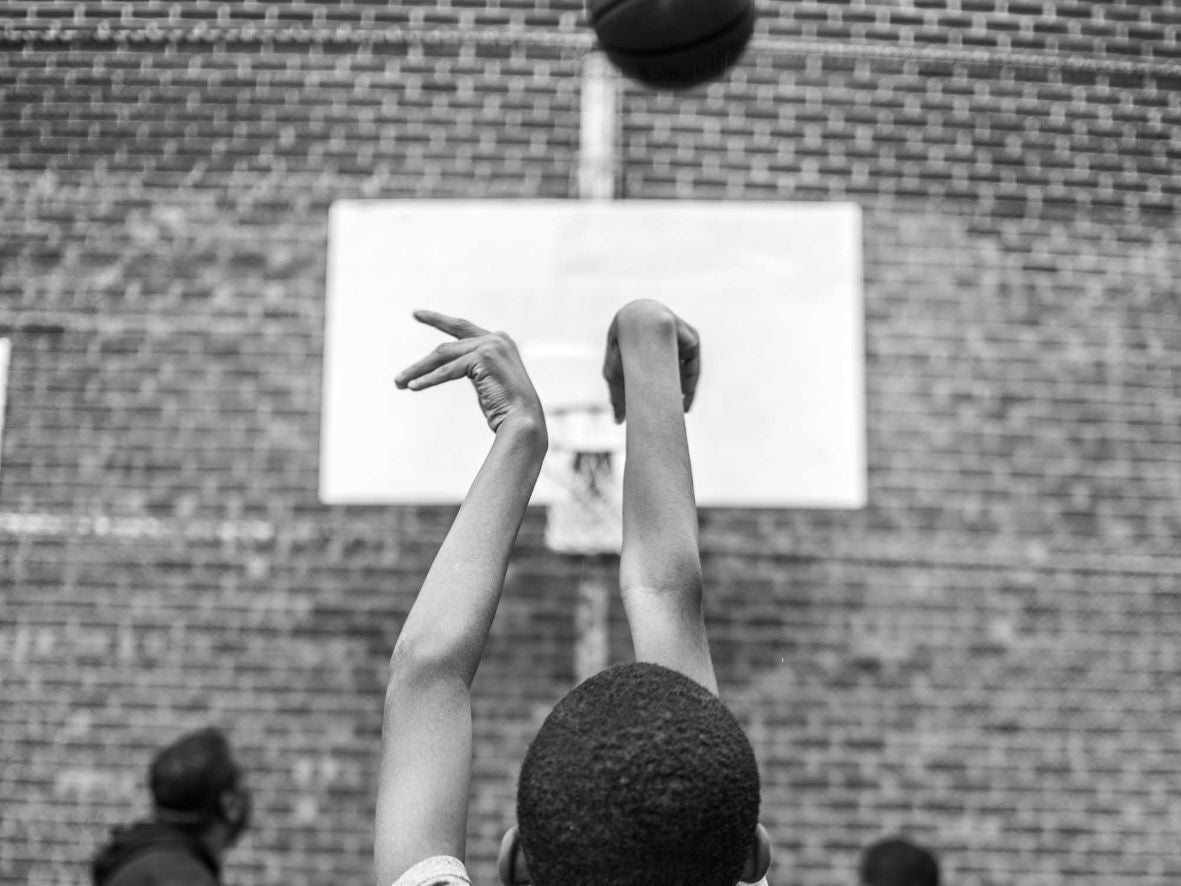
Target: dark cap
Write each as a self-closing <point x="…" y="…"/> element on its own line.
<point x="188" y="776"/>
<point x="898" y="862"/>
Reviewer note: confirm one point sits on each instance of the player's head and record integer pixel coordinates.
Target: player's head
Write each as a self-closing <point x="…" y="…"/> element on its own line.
<point x="898" y="862"/>
<point x="196" y="785"/>
<point x="638" y="777"/>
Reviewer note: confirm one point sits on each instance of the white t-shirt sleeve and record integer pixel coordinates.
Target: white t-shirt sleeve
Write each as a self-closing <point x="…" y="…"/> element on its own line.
<point x="442" y="870"/>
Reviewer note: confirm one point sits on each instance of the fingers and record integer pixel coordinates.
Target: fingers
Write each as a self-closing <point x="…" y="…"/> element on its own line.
<point x="689" y="351"/>
<point x="688" y="365"/>
<point x="463" y="330"/>
<point x="613" y="373"/>
<point x="690" y="371"/>
<point x="457" y="368"/>
<point x="451" y="325"/>
<point x="440" y="356"/>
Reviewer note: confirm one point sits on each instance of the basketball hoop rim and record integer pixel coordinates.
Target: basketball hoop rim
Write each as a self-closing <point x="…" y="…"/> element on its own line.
<point x="594" y="407"/>
<point x="562" y="439"/>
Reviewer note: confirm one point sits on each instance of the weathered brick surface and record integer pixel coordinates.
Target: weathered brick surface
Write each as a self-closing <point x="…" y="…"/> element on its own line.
<point x="985" y="657"/>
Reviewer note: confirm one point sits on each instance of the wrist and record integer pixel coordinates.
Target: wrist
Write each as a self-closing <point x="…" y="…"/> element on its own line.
<point x="526" y="430"/>
<point x="644" y="322"/>
<point x="647" y="348"/>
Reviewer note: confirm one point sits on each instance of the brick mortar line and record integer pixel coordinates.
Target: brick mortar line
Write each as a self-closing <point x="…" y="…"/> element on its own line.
<point x="26" y="524"/>
<point x="979" y="57"/>
<point x="49" y="323"/>
<point x="347" y="36"/>
<point x="1061" y="560"/>
<point x="1130" y="212"/>
<point x="344" y="36"/>
<point x="73" y="182"/>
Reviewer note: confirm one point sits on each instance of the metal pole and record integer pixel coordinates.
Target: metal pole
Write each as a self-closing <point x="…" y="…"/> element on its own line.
<point x="598" y="160"/>
<point x="597" y="180"/>
<point x="5" y="350"/>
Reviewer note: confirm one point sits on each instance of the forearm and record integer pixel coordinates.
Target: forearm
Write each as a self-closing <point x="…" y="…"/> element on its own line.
<point x="448" y="624"/>
<point x="659" y="510"/>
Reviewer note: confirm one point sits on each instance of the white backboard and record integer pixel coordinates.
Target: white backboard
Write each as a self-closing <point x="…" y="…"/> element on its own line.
<point x="774" y="289"/>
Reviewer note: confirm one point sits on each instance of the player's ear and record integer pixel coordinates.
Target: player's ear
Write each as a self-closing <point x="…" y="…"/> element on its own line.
<point x="759" y="859"/>
<point x="511" y="860"/>
<point x="232" y="805"/>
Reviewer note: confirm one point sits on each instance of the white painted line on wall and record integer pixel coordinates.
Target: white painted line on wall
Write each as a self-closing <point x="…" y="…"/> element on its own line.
<point x="107" y="526"/>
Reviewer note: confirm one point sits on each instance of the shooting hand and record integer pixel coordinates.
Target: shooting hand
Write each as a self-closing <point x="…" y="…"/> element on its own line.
<point x="489" y="359"/>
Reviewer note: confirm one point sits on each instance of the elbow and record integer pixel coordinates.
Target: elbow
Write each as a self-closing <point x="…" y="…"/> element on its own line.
<point x="413" y="663"/>
<point x="677" y="580"/>
<point x="401" y="664"/>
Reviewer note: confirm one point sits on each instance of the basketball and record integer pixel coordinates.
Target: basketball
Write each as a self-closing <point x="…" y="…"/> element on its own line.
<point x="672" y="44"/>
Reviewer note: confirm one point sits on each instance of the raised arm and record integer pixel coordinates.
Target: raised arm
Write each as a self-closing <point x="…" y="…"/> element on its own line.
<point x="422" y="793"/>
<point x="651" y="368"/>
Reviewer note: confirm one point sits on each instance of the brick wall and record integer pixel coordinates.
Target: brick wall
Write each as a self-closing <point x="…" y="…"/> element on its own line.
<point x="986" y="657"/>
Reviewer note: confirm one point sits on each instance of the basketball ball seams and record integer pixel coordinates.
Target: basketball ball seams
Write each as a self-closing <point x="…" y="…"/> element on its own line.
<point x="672" y="44"/>
<point x="736" y="24"/>
<point x="604" y="10"/>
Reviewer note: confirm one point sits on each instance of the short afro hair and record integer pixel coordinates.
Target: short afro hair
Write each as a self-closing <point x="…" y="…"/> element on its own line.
<point x="898" y="862"/>
<point x="639" y="776"/>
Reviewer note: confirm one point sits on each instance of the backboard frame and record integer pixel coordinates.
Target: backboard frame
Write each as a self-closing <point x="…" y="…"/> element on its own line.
<point x="775" y="288"/>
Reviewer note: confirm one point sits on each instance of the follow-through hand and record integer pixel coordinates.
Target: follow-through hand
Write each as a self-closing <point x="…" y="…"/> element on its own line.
<point x="490" y="359"/>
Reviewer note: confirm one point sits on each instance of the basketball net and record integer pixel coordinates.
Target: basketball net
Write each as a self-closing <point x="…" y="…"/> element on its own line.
<point x="585" y="517"/>
<point x="584" y="469"/>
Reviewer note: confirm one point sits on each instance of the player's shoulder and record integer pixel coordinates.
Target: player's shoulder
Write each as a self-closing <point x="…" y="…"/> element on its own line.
<point x="441" y="870"/>
<point x="164" y="864"/>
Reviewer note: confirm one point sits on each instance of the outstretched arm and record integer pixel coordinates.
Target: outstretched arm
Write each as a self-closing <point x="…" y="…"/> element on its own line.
<point x="651" y="368"/>
<point x="422" y="791"/>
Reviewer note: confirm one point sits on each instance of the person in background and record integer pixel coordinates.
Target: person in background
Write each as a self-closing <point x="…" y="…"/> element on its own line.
<point x="898" y="862"/>
<point x="201" y="808"/>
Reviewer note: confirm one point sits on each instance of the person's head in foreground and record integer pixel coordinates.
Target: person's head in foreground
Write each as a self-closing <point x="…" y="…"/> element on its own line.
<point x="898" y="862"/>
<point x="638" y="777"/>
<point x="197" y="787"/>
